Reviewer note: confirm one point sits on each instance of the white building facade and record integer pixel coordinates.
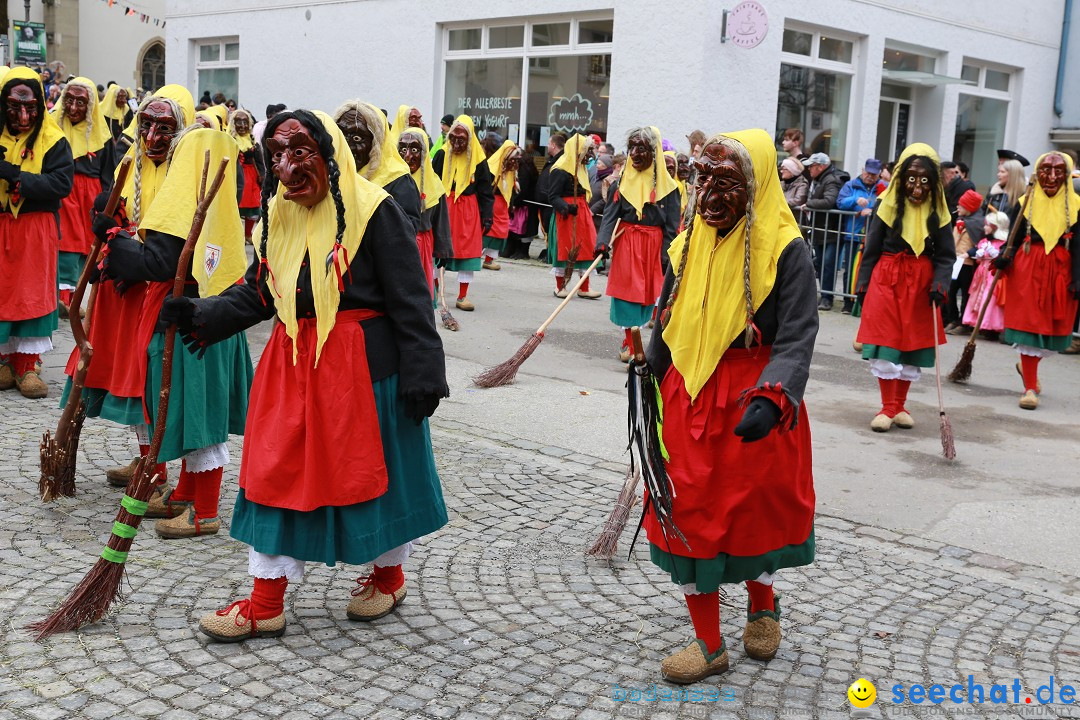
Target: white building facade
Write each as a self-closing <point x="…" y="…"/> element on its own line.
<point x="861" y="78"/>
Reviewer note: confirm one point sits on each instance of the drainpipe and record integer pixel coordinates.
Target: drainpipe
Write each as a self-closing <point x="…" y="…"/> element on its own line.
<point x="1059" y="85"/>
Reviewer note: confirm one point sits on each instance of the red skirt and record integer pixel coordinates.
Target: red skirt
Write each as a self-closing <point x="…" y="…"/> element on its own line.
<point x="732" y="497"/>
<point x="312" y="436"/>
<point x="425" y="243"/>
<point x="29" y="246"/>
<point x="586" y="233"/>
<point x="75" y="214"/>
<point x="897" y="312"/>
<point x="1039" y="300"/>
<point x="119" y="341"/>
<point x="636" y="274"/>
<point x="500" y="218"/>
<point x="466" y="232"/>
<point x="251" y="197"/>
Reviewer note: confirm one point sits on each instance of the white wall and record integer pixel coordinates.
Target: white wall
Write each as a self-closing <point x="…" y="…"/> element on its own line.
<point x="110" y="43"/>
<point x="668" y="69"/>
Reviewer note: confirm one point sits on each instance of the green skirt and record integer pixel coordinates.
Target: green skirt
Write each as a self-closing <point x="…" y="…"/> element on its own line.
<point x="35" y="327"/>
<point x="553" y="250"/>
<point x="69" y="268"/>
<point x="462" y="264"/>
<point x="923" y="357"/>
<point x="709" y="574"/>
<point x="492" y="243"/>
<point x="627" y="314"/>
<point x="1057" y="343"/>
<point x="103" y="404"/>
<point x="209" y="397"/>
<point x="411" y="507"/>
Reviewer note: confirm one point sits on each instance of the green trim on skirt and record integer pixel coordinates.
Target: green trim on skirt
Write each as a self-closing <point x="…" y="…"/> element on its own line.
<point x="463" y="264"/>
<point x="103" y="404"/>
<point x="709" y="574"/>
<point x="1057" y="343"/>
<point x="209" y="397"/>
<point x="249" y="212"/>
<point x="69" y="268"/>
<point x="627" y="314"/>
<point x="492" y="243"/>
<point x="35" y="327"/>
<point x="923" y="357"/>
<point x="856" y="309"/>
<point x="553" y="250"/>
<point x="411" y="507"/>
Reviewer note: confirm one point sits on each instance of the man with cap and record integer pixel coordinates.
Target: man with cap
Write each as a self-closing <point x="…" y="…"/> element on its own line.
<point x="857" y="196"/>
<point x="444" y="127"/>
<point x="825" y="183"/>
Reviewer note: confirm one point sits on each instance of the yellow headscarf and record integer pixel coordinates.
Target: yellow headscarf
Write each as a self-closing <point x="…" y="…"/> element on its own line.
<point x="915" y="216"/>
<point x="28" y="159"/>
<point x="296" y="231"/>
<point x="503" y="181"/>
<point x="148" y="176"/>
<point x="681" y="184"/>
<point x="427" y="182"/>
<point x="572" y="161"/>
<point x="384" y="163"/>
<point x="710" y="310"/>
<point x="244" y="142"/>
<point x="1052" y="217"/>
<point x="219" y="259"/>
<point x="220" y="113"/>
<point x="108" y="103"/>
<point x="650" y="186"/>
<point x="458" y="171"/>
<point x="92" y="133"/>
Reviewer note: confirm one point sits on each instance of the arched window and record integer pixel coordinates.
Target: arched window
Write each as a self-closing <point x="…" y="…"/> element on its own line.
<point x="152" y="67"/>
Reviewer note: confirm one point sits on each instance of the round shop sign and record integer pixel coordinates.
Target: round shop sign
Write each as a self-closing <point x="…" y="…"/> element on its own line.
<point x="747" y="24"/>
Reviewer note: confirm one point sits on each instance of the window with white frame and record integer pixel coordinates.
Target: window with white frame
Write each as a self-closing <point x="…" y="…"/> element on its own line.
<point x="528" y="78"/>
<point x="816" y="68"/>
<point x="981" y="118"/>
<point x="217" y="67"/>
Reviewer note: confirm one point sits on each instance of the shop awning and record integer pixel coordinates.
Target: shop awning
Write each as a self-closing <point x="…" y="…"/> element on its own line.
<point x="922" y="79"/>
<point x="1065" y="136"/>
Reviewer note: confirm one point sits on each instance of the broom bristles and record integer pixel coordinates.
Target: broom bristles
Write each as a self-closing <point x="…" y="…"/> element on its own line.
<point x="962" y="371"/>
<point x="449" y="321"/>
<point x="87" y="603"/>
<point x="948" y="443"/>
<point x="606" y="544"/>
<point x="58" y="463"/>
<point x="504" y="373"/>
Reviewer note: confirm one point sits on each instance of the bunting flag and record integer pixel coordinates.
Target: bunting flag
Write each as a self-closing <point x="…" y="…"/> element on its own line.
<point x="130" y="11"/>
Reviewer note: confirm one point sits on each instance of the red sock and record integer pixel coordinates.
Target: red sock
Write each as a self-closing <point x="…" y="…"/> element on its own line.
<point x="560" y="281"/>
<point x="268" y="597"/>
<point x="1029" y="364"/>
<point x="888" y="397"/>
<point x="488" y="259"/>
<point x="207" y="491"/>
<point x="185" y="486"/>
<point x="249" y="225"/>
<point x="628" y="339"/>
<point x="705" y="614"/>
<point x="653" y="318"/>
<point x="389" y="579"/>
<point x="463" y="290"/>
<point x="22" y="363"/>
<point x="761" y="596"/>
<point x="900" y="395"/>
<point x="585" y="285"/>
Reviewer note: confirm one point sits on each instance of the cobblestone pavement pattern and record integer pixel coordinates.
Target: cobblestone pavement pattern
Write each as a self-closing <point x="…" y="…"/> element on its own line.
<point x="505" y="617"/>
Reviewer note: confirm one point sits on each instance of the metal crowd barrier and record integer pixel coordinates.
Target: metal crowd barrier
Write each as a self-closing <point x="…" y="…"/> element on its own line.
<point x="836" y="250"/>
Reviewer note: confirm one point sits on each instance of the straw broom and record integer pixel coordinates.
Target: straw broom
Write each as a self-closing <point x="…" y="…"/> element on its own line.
<point x="504" y="373"/>
<point x="91" y="598"/>
<point x="948" y="444"/>
<point x="59" y="451"/>
<point x="962" y="371"/>
<point x="448" y="320"/>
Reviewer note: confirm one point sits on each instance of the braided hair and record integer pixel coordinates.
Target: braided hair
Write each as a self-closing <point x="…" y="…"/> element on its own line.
<point x="140" y="153"/>
<point x="933" y="172"/>
<point x="39" y="97"/>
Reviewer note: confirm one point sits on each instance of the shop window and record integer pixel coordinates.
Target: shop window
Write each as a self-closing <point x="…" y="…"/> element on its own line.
<point x="468" y="39"/>
<point x="218" y="69"/>
<point x="980" y="131"/>
<point x="996" y="80"/>
<point x="835" y="50"/>
<point x="797" y="42"/>
<point x="489" y="91"/>
<point x="904" y="60"/>
<point x="512" y="36"/>
<point x="549" y="34"/>
<point x="152" y="67"/>
<point x="970" y="73"/>
<point x="595" y="31"/>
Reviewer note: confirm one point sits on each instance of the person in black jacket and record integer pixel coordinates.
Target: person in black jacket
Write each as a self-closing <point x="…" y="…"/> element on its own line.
<point x="824" y="226"/>
<point x="954" y="175"/>
<point x="554" y="151"/>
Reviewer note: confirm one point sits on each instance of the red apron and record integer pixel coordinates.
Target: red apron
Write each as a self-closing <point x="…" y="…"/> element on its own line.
<point x="586" y="232"/>
<point x="425" y="243"/>
<point x="466" y="232"/>
<point x="312" y="436"/>
<point x="251" y="197"/>
<point x="119" y="364"/>
<point x="1039" y="299"/>
<point x="75" y="233"/>
<point x="732" y="497"/>
<point x="500" y="218"/>
<point x="636" y="274"/>
<point x="28" y="250"/>
<point x="897" y="312"/>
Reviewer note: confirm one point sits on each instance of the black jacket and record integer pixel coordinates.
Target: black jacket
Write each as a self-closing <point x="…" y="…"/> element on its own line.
<point x="542" y="189"/>
<point x="880" y="238"/>
<point x="824" y="190"/>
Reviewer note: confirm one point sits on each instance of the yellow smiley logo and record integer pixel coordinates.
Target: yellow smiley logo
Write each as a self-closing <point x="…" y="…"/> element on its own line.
<point x="862" y="693"/>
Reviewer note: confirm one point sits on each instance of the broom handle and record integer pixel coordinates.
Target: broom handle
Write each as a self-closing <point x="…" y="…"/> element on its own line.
<point x="79" y="329"/>
<point x="1006" y="252"/>
<point x="572" y="255"/>
<point x="581" y="281"/>
<point x="178" y="290"/>
<point x="937" y="364"/>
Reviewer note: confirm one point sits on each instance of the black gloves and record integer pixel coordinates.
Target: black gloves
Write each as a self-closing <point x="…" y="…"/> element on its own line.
<point x="572" y="210"/>
<point x="937" y="298"/>
<point x="861" y="297"/>
<point x="9" y="172"/>
<point x="1002" y="261"/>
<point x="420" y="405"/>
<point x="760" y="418"/>
<point x="603" y="250"/>
<point x="486" y="224"/>
<point x="101" y="226"/>
<point x="181" y="311"/>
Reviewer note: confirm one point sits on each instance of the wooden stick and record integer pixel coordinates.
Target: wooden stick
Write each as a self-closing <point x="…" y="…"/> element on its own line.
<point x="948" y="443"/>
